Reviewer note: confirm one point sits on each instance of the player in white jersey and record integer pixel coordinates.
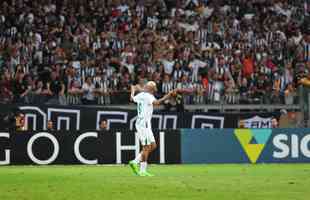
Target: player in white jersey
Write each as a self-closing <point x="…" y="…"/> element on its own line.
<point x="145" y="101"/>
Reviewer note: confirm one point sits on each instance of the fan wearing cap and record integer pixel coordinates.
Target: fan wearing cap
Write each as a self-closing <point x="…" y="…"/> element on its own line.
<point x="145" y="101"/>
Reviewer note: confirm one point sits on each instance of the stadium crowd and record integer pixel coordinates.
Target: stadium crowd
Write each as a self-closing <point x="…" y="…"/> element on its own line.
<point x="90" y="51"/>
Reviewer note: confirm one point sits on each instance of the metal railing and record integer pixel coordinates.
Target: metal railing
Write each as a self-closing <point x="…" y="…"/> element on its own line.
<point x="121" y="100"/>
<point x="221" y="107"/>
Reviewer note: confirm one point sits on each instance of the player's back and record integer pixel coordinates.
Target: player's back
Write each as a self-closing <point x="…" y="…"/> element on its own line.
<point x="144" y="102"/>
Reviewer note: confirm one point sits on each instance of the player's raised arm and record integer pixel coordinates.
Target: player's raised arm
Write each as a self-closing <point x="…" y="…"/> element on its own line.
<point x="167" y="96"/>
<point x="132" y="92"/>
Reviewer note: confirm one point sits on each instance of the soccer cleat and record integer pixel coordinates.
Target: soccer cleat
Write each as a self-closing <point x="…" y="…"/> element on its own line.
<point x="134" y="166"/>
<point x="145" y="174"/>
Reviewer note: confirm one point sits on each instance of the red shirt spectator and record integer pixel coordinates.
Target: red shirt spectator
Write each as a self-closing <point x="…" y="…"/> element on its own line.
<point x="248" y="67"/>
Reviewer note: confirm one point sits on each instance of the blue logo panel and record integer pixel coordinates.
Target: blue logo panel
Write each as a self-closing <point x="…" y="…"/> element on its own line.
<point x="245" y="145"/>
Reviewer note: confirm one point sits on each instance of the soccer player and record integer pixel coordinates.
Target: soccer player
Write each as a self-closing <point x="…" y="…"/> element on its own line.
<point x="145" y="101"/>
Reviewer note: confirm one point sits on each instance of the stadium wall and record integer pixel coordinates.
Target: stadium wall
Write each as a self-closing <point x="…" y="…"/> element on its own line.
<point x="88" y="117"/>
<point x="174" y="146"/>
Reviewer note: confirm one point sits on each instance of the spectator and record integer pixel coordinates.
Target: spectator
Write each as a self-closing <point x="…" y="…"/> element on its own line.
<point x="186" y="84"/>
<point x="6" y="90"/>
<point x="41" y="93"/>
<point x="274" y="123"/>
<point x="290" y="93"/>
<point x="88" y="91"/>
<point x="199" y="97"/>
<point x="241" y="124"/>
<point x="20" y="122"/>
<point x="306" y="81"/>
<point x="74" y="92"/>
<point x="244" y="91"/>
<point x="166" y="86"/>
<point x="21" y="88"/>
<point x="103" y="125"/>
<point x="50" y="125"/>
<point x="56" y="89"/>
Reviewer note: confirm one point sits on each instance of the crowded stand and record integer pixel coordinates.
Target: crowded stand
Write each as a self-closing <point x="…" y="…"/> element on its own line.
<point x="89" y="52"/>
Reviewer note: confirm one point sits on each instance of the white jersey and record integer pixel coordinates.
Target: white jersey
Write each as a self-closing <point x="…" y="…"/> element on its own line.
<point x="144" y="102"/>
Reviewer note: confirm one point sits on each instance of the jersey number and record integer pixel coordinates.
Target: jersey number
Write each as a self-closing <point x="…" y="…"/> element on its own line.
<point x="139" y="108"/>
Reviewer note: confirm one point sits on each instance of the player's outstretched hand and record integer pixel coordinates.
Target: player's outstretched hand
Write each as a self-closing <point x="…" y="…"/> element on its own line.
<point x="173" y="93"/>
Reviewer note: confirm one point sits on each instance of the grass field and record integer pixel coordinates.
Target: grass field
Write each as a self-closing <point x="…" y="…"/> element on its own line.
<point x="212" y="182"/>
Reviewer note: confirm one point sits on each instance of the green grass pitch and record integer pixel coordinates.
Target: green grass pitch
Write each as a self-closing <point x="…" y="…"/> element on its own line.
<point x="211" y="182"/>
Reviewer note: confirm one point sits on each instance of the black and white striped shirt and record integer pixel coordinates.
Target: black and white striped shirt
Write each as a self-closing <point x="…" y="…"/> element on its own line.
<point x="211" y="90"/>
<point x="101" y="83"/>
<point x="202" y="37"/>
<point x="118" y="44"/>
<point x="166" y="87"/>
<point x="177" y="74"/>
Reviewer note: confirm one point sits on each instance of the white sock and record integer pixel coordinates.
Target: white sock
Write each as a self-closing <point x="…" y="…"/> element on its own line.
<point x="143" y="166"/>
<point x="138" y="158"/>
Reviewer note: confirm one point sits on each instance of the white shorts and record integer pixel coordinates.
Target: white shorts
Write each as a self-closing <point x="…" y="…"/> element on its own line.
<point x="145" y="135"/>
